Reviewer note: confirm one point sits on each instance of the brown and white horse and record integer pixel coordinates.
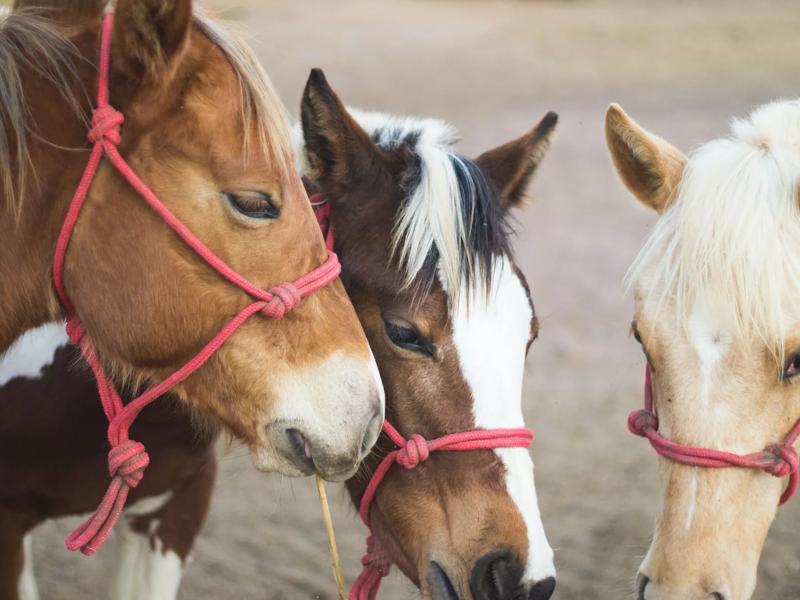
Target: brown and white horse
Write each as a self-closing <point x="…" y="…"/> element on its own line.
<point x="53" y="464"/>
<point x="205" y="131"/>
<point x="473" y="515"/>
<point x="716" y="312"/>
<point x="425" y="242"/>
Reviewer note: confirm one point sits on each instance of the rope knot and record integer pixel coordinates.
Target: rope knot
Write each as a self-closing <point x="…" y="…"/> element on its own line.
<point x="783" y="460"/>
<point x="284" y="298"/>
<point x="128" y="461"/>
<point x="375" y="558"/>
<point x="414" y="452"/>
<point x="106" y="122"/>
<point x="641" y="421"/>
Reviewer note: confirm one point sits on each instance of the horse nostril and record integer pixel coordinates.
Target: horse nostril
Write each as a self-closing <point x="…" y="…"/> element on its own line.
<point x="298" y="443"/>
<point x="641" y="585"/>
<point x="542" y="590"/>
<point x="441" y="586"/>
<point x="496" y="576"/>
<point x="718" y="596"/>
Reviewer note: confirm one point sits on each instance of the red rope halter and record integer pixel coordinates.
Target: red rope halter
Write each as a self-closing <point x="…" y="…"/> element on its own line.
<point x="410" y="452"/>
<point x="779" y="459"/>
<point x="127" y="458"/>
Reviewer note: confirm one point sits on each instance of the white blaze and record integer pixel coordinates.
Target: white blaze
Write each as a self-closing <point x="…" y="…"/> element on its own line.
<point x="710" y="338"/>
<point x="491" y="337"/>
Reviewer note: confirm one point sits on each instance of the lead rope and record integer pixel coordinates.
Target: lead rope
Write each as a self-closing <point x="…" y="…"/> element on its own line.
<point x="778" y="459"/>
<point x="127" y="459"/>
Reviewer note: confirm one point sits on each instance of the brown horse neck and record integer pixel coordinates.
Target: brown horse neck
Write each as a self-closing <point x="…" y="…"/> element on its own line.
<point x="58" y="152"/>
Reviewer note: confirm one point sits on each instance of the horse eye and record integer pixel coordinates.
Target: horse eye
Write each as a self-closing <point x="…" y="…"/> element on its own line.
<point x="256" y="205"/>
<point x="792" y="367"/>
<point x="408" y="338"/>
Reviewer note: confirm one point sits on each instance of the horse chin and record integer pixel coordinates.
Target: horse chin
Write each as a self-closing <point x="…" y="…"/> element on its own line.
<point x="291" y="460"/>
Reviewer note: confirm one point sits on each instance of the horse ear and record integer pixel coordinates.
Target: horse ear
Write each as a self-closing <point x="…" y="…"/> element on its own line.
<point x="650" y="167"/>
<point x="338" y="152"/>
<point x="64" y="10"/>
<point x="512" y="165"/>
<point x="150" y="36"/>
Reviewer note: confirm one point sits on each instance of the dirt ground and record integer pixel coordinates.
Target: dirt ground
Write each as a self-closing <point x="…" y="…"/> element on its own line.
<point x="493" y="69"/>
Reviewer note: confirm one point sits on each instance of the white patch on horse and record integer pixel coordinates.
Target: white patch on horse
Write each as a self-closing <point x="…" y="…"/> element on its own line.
<point x="329" y="426"/>
<point x="710" y="339"/>
<point x="27" y="581"/>
<point x="32" y="352"/>
<point x="147" y="505"/>
<point x="692" y="503"/>
<point x="490" y="336"/>
<point x="144" y="571"/>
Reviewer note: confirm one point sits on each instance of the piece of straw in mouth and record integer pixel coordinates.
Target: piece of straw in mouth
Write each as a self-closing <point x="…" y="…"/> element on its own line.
<point x="336" y="564"/>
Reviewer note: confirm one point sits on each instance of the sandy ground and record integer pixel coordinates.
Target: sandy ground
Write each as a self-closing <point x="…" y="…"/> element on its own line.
<point x="493" y="69"/>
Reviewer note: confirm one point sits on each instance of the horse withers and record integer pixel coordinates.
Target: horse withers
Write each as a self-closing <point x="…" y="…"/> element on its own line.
<point x="425" y="242"/>
<point x="203" y="129"/>
<point x="716" y="313"/>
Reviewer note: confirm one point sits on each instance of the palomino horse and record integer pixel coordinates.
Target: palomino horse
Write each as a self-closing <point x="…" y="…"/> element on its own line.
<point x="716" y="289"/>
<point x="138" y="297"/>
<point x="424" y="238"/>
<point x="487" y="499"/>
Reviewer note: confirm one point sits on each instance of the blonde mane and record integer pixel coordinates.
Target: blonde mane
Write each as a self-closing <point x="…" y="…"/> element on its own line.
<point x="734" y="229"/>
<point x="450" y="226"/>
<point x="29" y="41"/>
<point x="261" y="105"/>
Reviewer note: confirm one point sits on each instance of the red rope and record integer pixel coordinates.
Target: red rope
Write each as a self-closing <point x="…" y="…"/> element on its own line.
<point x="127" y="459"/>
<point x="779" y="459"/>
<point x="411" y="452"/>
<point x="324" y="211"/>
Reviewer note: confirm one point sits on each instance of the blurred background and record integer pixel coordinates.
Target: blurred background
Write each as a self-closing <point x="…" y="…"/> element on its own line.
<point x="493" y="69"/>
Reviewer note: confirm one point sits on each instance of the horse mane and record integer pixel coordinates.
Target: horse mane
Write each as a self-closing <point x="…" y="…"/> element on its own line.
<point x="261" y="105"/>
<point x="451" y="225"/>
<point x="734" y="229"/>
<point x="29" y="40"/>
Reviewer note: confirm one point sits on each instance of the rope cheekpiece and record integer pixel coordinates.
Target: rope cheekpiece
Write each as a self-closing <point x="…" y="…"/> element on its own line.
<point x="411" y="452"/>
<point x="127" y="458"/>
<point x="780" y="459"/>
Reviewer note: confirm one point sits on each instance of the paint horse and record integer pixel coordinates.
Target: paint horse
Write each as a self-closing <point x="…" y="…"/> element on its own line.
<point x="487" y="497"/>
<point x="206" y="134"/>
<point x="206" y="142"/>
<point x="425" y="242"/>
<point x="716" y="287"/>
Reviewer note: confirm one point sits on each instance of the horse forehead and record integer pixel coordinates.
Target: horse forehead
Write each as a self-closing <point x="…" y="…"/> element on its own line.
<point x="506" y="309"/>
<point x="490" y="332"/>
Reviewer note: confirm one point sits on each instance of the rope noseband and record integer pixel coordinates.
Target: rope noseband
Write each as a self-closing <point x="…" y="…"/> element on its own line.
<point x="127" y="458"/>
<point x="779" y="459"/>
<point x="411" y="452"/>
